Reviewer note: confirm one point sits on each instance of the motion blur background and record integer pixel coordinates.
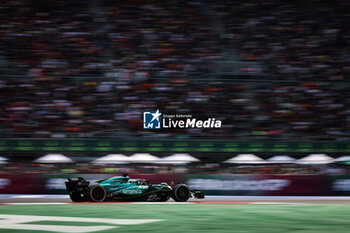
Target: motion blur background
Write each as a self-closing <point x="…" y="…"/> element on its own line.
<point x="75" y="77"/>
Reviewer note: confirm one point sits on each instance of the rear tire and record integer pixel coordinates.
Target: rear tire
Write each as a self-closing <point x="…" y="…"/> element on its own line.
<point x="77" y="197"/>
<point x="181" y="193"/>
<point x="96" y="193"/>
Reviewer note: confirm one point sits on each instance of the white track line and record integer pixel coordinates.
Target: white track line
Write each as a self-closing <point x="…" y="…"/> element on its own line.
<point x="150" y="203"/>
<point x="278" y="203"/>
<point x="38" y="203"/>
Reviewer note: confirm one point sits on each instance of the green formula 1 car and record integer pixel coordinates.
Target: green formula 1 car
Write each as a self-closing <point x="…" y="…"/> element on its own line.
<point x="121" y="188"/>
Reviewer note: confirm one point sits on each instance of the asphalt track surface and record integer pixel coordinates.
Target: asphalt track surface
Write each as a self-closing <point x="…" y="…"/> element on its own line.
<point x="8" y="199"/>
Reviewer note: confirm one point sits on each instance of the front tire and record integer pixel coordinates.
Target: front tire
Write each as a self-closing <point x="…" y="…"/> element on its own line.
<point x="181" y="193"/>
<point x="96" y="193"/>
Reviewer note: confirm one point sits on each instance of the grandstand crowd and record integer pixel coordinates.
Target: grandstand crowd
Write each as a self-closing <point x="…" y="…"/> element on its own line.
<point x="147" y="49"/>
<point x="142" y="38"/>
<point x="59" y="109"/>
<point x="304" y="40"/>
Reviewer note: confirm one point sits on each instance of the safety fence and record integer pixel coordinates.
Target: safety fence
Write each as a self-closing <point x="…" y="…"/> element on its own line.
<point x="168" y="146"/>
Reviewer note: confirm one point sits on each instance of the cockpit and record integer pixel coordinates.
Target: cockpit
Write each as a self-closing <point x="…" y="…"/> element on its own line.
<point x="140" y="181"/>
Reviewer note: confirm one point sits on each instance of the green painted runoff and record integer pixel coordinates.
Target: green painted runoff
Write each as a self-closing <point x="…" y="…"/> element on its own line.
<point x="193" y="218"/>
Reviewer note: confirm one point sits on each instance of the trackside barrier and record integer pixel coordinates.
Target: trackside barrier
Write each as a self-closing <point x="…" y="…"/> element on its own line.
<point x="291" y="185"/>
<point x="22" y="184"/>
<point x="298" y="185"/>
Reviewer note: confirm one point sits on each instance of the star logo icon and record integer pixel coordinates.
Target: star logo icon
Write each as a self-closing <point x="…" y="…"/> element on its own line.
<point x="156" y="115"/>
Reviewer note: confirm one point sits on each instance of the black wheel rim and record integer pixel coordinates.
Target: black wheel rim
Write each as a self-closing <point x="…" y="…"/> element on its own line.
<point x="182" y="193"/>
<point x="97" y="194"/>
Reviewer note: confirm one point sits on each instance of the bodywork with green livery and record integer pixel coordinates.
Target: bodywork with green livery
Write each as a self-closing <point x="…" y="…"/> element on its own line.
<point x="122" y="188"/>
